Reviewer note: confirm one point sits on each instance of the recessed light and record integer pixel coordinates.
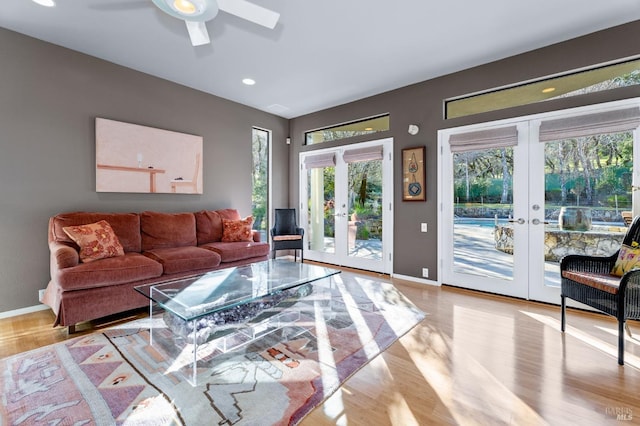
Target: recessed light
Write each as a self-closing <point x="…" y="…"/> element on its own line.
<point x="46" y="3"/>
<point x="249" y="81"/>
<point x="368" y="129"/>
<point x="549" y="90"/>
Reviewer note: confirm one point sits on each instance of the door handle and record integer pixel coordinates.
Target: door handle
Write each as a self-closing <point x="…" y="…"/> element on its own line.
<point x="538" y="222"/>
<point x="521" y="221"/>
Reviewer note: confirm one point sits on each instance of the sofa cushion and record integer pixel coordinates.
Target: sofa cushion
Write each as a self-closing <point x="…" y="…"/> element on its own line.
<point x="237" y="230"/>
<point x="231" y="252"/>
<point x="107" y="272"/>
<point x="125" y="225"/>
<point x="181" y="259"/>
<point x="229" y="214"/>
<point x="209" y="224"/>
<point x="167" y="230"/>
<point x="96" y="241"/>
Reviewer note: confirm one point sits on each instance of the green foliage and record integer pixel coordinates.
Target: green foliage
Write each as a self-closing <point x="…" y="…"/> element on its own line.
<point x="553" y="196"/>
<point x="618" y="201"/>
<point x="586" y="170"/>
<point x="259" y="178"/>
<point x="614" y="179"/>
<point x="362" y="233"/>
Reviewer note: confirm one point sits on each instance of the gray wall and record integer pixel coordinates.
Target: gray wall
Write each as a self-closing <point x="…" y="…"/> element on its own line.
<point x="49" y="99"/>
<point x="422" y="104"/>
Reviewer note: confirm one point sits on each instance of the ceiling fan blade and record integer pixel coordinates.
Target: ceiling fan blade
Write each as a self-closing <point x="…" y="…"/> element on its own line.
<point x="251" y="12"/>
<point x="198" y="33"/>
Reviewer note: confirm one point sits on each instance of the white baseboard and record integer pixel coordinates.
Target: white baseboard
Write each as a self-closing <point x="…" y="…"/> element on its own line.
<point x="416" y="280"/>
<point x="22" y="311"/>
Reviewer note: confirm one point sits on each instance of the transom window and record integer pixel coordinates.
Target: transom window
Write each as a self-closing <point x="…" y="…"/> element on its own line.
<point x="578" y="82"/>
<point x="347" y="130"/>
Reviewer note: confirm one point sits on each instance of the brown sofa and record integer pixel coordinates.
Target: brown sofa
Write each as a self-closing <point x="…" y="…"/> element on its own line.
<point x="157" y="247"/>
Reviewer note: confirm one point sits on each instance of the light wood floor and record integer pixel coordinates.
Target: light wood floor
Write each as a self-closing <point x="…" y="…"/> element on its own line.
<point x="476" y="359"/>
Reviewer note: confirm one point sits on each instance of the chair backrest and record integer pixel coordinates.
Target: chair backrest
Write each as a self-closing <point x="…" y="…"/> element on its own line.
<point x="284" y="222"/>
<point x="633" y="233"/>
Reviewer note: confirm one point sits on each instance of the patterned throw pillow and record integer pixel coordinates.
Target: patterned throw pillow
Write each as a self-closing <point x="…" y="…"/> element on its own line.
<point x="96" y="241"/>
<point x="237" y="230"/>
<point x="628" y="259"/>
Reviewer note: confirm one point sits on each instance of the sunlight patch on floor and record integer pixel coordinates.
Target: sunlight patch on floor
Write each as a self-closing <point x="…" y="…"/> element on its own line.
<point x="469" y="391"/>
<point x="329" y="375"/>
<point x="609" y="349"/>
<point x="186" y="358"/>
<point x="400" y="412"/>
<point x="181" y="360"/>
<point x="614" y="331"/>
<point x="365" y="335"/>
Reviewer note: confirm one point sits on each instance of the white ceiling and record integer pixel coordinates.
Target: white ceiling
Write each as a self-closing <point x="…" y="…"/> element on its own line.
<point x="322" y="53"/>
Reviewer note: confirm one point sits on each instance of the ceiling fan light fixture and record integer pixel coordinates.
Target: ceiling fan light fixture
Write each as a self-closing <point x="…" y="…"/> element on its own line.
<point x="192" y="10"/>
<point x="185" y="6"/>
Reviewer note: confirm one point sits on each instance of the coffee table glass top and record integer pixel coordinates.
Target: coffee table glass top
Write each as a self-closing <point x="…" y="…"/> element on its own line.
<point x="194" y="297"/>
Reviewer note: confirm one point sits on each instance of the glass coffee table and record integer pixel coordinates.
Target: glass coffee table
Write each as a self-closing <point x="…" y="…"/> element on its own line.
<point x="234" y="306"/>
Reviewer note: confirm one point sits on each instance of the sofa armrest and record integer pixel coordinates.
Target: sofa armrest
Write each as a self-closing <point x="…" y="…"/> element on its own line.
<point x="63" y="256"/>
<point x="256" y="235"/>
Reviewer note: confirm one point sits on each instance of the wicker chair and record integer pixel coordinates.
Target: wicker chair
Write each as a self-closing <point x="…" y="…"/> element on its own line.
<point x="587" y="279"/>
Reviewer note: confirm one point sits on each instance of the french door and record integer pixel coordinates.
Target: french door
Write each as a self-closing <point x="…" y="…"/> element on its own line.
<point x="346" y="198"/>
<point x="518" y="195"/>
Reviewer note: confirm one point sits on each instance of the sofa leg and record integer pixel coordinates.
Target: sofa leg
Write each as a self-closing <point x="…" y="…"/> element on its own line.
<point x="563" y="312"/>
<point x="273" y="254"/>
<point x="72" y="329"/>
<point x="621" y="324"/>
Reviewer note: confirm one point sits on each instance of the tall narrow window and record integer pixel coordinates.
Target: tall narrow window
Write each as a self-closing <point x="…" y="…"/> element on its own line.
<point x="260" y="181"/>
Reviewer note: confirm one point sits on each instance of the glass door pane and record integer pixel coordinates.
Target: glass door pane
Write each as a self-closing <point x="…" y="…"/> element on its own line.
<point x="365" y="210"/>
<point x="321" y="209"/>
<point x="483" y="213"/>
<point x="587" y="186"/>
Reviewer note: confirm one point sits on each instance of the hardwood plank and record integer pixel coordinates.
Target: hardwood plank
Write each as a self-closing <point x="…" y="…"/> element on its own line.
<point x="476" y="359"/>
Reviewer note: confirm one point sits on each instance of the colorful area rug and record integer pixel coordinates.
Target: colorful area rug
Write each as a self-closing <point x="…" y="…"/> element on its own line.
<point x="117" y="377"/>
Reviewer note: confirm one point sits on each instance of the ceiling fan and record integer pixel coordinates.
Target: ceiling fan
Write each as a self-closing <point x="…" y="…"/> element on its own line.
<point x="196" y="13"/>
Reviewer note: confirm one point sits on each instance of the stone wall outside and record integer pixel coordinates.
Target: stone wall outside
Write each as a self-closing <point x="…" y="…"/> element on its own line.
<point x="598" y="215"/>
<point x="557" y="243"/>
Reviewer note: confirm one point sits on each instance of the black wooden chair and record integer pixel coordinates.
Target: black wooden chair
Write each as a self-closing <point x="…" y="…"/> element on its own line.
<point x="285" y="234"/>
<point x="588" y="280"/>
